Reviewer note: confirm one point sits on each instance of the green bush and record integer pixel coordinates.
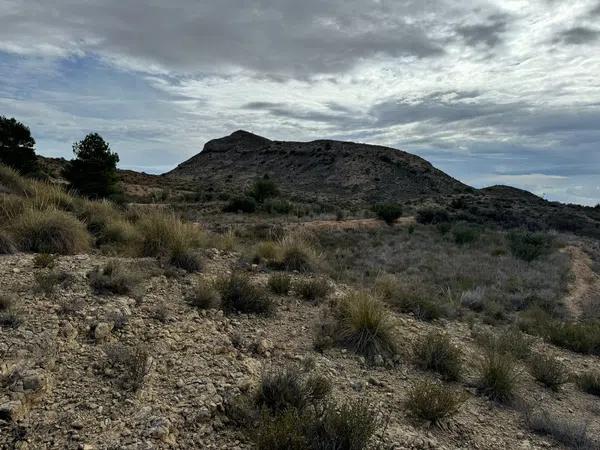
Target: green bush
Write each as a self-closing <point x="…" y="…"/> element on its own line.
<point x="435" y="352"/>
<point x="50" y="231"/>
<point x="431" y="401"/>
<point x="238" y="294"/>
<point x="388" y="212"/>
<point x="278" y="206"/>
<point x="185" y="259"/>
<point x="498" y="377"/>
<point x="263" y="189"/>
<point x="548" y="371"/>
<point x="240" y="204"/>
<point x="115" y="278"/>
<point x="529" y="246"/>
<point x="280" y="283"/>
<point x="589" y="382"/>
<point x="464" y="234"/>
<point x="313" y="289"/>
<point x="432" y="216"/>
<point x="93" y="172"/>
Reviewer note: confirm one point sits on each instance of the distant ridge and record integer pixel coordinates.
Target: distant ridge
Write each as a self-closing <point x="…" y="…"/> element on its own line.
<point x="322" y="168"/>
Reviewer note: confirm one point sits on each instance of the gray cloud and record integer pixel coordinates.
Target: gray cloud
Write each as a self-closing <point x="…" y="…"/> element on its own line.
<point x="276" y="37"/>
<point x="578" y="35"/>
<point x="489" y="34"/>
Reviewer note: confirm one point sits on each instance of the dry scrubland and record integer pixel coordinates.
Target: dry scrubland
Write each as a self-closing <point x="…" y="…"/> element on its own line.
<point x="129" y="328"/>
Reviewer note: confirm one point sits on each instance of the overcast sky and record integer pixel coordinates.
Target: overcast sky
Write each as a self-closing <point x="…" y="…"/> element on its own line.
<point x="491" y="91"/>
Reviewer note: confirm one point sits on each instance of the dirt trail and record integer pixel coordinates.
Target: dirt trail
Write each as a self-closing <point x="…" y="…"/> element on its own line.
<point x="584" y="290"/>
<point x="352" y="224"/>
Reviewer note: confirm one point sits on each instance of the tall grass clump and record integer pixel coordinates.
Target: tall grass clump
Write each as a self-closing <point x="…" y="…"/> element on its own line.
<point x="435" y="352"/>
<point x="589" y="382"/>
<point x="163" y="233"/>
<point x="548" y="371"/>
<point x="571" y="433"/>
<point x="204" y="296"/>
<point x="364" y="325"/>
<point x="313" y="289"/>
<point x="498" y="377"/>
<point x="432" y="401"/>
<point x="50" y="231"/>
<point x="510" y="341"/>
<point x="280" y="283"/>
<point x="239" y="294"/>
<point x="581" y="337"/>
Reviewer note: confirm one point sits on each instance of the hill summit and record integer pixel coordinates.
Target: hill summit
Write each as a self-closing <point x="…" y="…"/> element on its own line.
<point x="319" y="169"/>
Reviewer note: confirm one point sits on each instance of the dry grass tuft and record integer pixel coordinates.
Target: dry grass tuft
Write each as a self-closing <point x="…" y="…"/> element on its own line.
<point x="435" y="352"/>
<point x="432" y="401"/>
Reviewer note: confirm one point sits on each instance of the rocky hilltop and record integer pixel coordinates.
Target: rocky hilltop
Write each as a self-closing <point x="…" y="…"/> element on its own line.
<point x="323" y="168"/>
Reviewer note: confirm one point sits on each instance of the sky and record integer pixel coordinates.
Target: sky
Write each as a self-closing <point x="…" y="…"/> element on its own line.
<point x="490" y="91"/>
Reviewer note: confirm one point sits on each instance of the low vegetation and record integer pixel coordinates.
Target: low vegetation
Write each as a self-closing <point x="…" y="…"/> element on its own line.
<point x="548" y="371"/>
<point x="498" y="377"/>
<point x="294" y="410"/>
<point x="432" y="401"/>
<point x="280" y="283"/>
<point x="435" y="352"/>
<point x="115" y="278"/>
<point x="239" y="294"/>
<point x="313" y="289"/>
<point x="388" y="212"/>
<point x="129" y="363"/>
<point x="47" y="282"/>
<point x="9" y="313"/>
<point x="204" y="296"/>
<point x="362" y="324"/>
<point x="572" y="433"/>
<point x="589" y="382"/>
<point x="509" y="341"/>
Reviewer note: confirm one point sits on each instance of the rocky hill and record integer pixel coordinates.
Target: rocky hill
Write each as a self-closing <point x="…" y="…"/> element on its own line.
<point x="327" y="169"/>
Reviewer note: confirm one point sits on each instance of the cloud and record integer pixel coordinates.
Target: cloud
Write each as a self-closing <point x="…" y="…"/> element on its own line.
<point x="489" y="34"/>
<point x="578" y="36"/>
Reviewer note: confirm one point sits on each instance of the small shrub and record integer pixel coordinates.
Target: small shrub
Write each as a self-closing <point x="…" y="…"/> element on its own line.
<point x="511" y="341"/>
<point x="263" y="189"/>
<point x="579" y="337"/>
<point x="241" y="205"/>
<point x="115" y="278"/>
<point x="118" y="232"/>
<point x="414" y="298"/>
<point x="7" y="245"/>
<point x="349" y="426"/>
<point x="186" y="260"/>
<point x="528" y="246"/>
<point x="464" y="234"/>
<point x="163" y="233"/>
<point x="266" y="250"/>
<point x="278" y="206"/>
<point x="435" y="352"/>
<point x="280" y="283"/>
<point x="548" y="371"/>
<point x="238" y="294"/>
<point x="388" y="212"/>
<point x="589" y="382"/>
<point x="288" y="389"/>
<point x="432" y="216"/>
<point x="44" y="260"/>
<point x="498" y="377"/>
<point x="284" y="432"/>
<point x="296" y="253"/>
<point x="50" y="231"/>
<point x="433" y="401"/>
<point x="9" y="316"/>
<point x="47" y="283"/>
<point x="313" y="289"/>
<point x="364" y="325"/>
<point x="131" y="363"/>
<point x="204" y="296"/>
<point x="571" y="433"/>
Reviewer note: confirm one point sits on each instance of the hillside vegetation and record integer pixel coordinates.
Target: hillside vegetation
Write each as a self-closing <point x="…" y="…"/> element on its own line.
<point x="126" y="326"/>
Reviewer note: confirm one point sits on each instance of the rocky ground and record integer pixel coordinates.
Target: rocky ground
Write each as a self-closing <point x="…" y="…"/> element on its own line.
<point x="59" y="390"/>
